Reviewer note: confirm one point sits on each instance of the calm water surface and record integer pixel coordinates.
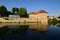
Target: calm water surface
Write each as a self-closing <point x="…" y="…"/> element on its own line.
<point x="31" y="31"/>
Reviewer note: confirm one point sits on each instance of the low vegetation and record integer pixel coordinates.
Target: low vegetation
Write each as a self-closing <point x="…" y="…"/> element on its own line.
<point x="53" y="21"/>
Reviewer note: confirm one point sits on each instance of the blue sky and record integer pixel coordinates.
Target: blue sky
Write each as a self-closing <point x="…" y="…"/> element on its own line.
<point x="51" y="6"/>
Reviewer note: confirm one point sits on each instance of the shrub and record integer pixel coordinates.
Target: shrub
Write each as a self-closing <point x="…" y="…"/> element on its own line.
<point x="53" y="21"/>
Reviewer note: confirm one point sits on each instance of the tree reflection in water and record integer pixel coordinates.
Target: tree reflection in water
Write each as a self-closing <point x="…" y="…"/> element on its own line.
<point x="11" y="30"/>
<point x="21" y="30"/>
<point x="3" y="31"/>
<point x="31" y="31"/>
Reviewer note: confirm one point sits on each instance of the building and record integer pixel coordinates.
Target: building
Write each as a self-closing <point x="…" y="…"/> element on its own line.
<point x="58" y="18"/>
<point x="40" y="16"/>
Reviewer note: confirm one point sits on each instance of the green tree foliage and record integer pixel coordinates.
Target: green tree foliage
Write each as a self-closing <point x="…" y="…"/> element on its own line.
<point x="10" y="13"/>
<point x="53" y="21"/>
<point x="15" y="10"/>
<point x="3" y="11"/>
<point x="58" y="21"/>
<point x="23" y="12"/>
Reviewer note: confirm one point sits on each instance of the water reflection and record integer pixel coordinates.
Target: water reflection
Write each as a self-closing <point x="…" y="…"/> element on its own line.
<point x="3" y="31"/>
<point x="20" y="27"/>
<point x="57" y="25"/>
<point x="28" y="31"/>
<point x="10" y="30"/>
<point x="38" y="27"/>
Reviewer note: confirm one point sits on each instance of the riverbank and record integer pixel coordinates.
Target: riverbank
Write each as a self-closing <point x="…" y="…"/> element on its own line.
<point x="20" y="20"/>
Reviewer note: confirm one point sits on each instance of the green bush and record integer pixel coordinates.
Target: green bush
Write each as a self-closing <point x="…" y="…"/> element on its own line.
<point x="58" y="21"/>
<point x="53" y="21"/>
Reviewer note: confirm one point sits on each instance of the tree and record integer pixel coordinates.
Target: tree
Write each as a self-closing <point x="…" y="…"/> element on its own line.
<point x="22" y="12"/>
<point x="3" y="11"/>
<point x="10" y="13"/>
<point x="15" y="10"/>
<point x="53" y="21"/>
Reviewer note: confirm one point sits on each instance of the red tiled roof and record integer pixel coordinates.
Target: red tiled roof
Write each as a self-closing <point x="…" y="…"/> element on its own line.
<point x="33" y="13"/>
<point x="42" y="11"/>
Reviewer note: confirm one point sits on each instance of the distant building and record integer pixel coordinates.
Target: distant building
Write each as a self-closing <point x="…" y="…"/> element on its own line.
<point x="51" y="17"/>
<point x="58" y="18"/>
<point x="40" y="16"/>
<point x="13" y="16"/>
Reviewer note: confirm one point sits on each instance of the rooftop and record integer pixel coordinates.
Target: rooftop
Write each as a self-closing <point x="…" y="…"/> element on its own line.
<point x="40" y="11"/>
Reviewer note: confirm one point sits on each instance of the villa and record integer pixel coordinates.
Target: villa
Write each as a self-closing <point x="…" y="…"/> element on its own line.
<point x="40" y="16"/>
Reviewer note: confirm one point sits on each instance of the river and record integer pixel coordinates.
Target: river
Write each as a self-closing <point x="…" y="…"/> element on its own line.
<point x="29" y="31"/>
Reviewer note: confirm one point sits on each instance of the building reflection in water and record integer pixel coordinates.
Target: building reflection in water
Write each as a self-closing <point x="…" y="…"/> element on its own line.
<point x="38" y="27"/>
<point x="9" y="29"/>
<point x="22" y="31"/>
<point x="32" y="26"/>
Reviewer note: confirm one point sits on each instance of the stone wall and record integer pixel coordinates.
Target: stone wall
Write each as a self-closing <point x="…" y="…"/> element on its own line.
<point x="17" y="20"/>
<point x="41" y="17"/>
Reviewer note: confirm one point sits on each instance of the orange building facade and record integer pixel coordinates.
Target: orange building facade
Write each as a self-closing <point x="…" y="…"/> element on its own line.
<point x="40" y="16"/>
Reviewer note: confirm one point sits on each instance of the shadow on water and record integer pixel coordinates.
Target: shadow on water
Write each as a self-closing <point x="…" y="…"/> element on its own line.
<point x="12" y="30"/>
<point x="29" y="31"/>
<point x="3" y="32"/>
